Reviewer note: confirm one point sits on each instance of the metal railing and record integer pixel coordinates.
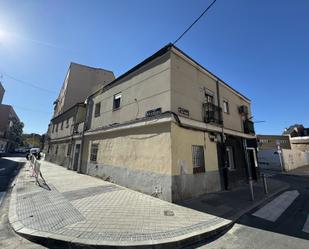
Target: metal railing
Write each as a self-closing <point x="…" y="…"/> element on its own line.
<point x="249" y="127"/>
<point x="212" y="113"/>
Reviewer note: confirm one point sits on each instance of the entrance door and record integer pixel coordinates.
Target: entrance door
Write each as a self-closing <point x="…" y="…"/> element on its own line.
<point x="76" y="156"/>
<point x="253" y="162"/>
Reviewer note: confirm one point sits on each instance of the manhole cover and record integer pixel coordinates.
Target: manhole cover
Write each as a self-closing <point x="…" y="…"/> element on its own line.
<point x="168" y="213"/>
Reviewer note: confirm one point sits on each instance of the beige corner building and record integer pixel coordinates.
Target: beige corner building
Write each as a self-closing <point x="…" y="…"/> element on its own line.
<point x="167" y="127"/>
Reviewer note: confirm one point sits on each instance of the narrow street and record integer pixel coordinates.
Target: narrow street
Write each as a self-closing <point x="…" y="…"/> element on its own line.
<point x="281" y="223"/>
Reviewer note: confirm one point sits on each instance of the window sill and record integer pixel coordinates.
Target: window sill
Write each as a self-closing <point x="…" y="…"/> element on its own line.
<point x="116" y="109"/>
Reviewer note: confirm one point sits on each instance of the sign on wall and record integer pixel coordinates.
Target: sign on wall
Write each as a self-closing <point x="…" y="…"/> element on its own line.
<point x="153" y="112"/>
<point x="183" y="111"/>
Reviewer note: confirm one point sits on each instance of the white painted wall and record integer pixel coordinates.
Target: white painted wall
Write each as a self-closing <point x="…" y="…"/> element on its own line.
<point x="294" y="159"/>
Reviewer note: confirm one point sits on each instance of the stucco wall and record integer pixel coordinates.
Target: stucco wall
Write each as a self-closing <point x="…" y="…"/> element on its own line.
<point x="66" y="131"/>
<point x="302" y="147"/>
<point x="294" y="159"/>
<point x="147" y="89"/>
<point x="138" y="158"/>
<point x="186" y="184"/>
<point x="188" y="82"/>
<point x="80" y="82"/>
<point x="61" y="157"/>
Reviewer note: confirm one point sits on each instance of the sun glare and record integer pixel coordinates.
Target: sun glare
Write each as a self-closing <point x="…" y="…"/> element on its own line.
<point x="3" y="36"/>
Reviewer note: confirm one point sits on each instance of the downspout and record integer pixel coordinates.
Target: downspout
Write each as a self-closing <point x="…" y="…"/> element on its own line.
<point x="224" y="168"/>
<point x="89" y="107"/>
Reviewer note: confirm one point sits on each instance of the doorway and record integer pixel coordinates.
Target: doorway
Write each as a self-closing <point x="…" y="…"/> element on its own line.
<point x="76" y="157"/>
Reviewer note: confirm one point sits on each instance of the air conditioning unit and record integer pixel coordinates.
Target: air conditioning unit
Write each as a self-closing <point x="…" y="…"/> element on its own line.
<point x="243" y="109"/>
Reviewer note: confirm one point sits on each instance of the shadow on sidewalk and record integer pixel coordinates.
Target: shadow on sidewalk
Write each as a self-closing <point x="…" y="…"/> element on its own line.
<point x="231" y="204"/>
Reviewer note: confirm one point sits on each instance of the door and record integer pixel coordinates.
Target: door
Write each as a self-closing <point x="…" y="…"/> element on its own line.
<point x="76" y="157"/>
<point x="253" y="162"/>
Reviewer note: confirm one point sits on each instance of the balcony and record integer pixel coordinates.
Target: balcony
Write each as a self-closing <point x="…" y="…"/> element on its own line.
<point x="249" y="127"/>
<point x="78" y="128"/>
<point x="212" y="113"/>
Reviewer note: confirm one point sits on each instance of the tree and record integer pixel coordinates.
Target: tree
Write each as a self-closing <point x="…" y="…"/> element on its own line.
<point x="15" y="133"/>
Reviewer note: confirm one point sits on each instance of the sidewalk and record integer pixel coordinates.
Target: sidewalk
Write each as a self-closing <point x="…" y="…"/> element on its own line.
<point x="85" y="210"/>
<point x="232" y="204"/>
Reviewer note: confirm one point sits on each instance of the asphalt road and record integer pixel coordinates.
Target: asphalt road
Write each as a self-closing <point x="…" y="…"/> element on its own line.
<point x="286" y="232"/>
<point x="8" y="238"/>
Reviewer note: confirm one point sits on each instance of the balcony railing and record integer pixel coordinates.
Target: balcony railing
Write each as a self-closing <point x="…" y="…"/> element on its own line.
<point x="212" y="113"/>
<point x="249" y="127"/>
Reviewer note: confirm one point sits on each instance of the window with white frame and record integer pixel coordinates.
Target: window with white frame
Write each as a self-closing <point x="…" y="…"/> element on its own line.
<point x="226" y="106"/>
<point x="198" y="160"/>
<point x="94" y="152"/>
<point x="117" y="101"/>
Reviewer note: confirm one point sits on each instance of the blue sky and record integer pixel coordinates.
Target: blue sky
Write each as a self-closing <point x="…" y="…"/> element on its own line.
<point x="260" y="47"/>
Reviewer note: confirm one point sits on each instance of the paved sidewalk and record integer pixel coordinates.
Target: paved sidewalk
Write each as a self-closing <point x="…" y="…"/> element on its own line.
<point x="82" y="209"/>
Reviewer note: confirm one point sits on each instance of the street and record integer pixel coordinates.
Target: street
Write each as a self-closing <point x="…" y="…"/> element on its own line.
<point x="289" y="230"/>
<point x="9" y="167"/>
<point x="282" y="222"/>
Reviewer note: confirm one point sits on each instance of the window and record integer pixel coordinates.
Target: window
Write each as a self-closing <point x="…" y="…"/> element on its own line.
<point x="53" y="128"/>
<point x="117" y="100"/>
<point x="97" y="109"/>
<point x="94" y="152"/>
<point x="61" y="125"/>
<point x="67" y="123"/>
<point x="56" y="152"/>
<point x="56" y="127"/>
<point x="198" y="160"/>
<point x="209" y="98"/>
<point x="69" y="149"/>
<point x="226" y="106"/>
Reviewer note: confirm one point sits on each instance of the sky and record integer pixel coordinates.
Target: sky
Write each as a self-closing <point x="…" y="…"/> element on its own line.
<point x="259" y="47"/>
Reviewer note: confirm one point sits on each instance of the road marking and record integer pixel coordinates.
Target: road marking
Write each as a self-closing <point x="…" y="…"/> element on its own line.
<point x="272" y="210"/>
<point x="306" y="226"/>
<point x="2" y="194"/>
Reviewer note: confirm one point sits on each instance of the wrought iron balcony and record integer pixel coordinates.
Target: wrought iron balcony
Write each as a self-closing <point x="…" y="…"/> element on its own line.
<point x="249" y="127"/>
<point x="212" y="113"/>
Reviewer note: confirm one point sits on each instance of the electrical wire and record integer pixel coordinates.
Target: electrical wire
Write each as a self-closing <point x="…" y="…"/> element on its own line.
<point x="196" y="20"/>
<point x="28" y="83"/>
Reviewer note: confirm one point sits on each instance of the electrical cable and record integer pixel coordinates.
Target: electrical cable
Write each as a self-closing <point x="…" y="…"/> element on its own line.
<point x="196" y="20"/>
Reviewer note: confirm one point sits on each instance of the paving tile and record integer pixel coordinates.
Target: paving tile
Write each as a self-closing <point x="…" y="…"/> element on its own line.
<point x="78" y="207"/>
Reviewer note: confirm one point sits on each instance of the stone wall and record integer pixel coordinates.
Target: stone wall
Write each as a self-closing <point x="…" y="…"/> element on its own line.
<point x="294" y="159"/>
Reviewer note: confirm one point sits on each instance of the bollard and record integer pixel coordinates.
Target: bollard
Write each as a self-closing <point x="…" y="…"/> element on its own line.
<point x="265" y="184"/>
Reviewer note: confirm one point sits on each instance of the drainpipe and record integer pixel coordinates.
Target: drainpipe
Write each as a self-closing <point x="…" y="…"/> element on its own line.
<point x="224" y="168"/>
<point x="89" y="107"/>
